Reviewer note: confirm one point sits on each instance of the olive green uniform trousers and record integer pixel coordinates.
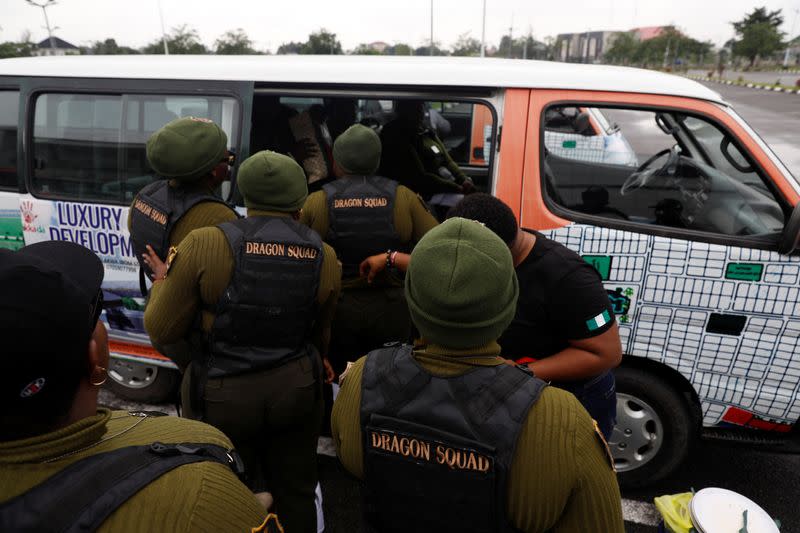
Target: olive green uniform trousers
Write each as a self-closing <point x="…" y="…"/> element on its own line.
<point x="365" y="320"/>
<point x="273" y="417"/>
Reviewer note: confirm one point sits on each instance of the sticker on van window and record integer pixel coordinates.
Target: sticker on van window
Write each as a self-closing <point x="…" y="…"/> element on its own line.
<point x="744" y="271"/>
<point x="569" y="144"/>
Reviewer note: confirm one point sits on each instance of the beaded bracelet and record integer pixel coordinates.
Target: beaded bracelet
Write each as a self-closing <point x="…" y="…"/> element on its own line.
<point x="389" y="259"/>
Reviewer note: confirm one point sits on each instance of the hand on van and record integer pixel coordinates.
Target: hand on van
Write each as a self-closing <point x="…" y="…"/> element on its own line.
<point x="157" y="266"/>
<point x="330" y="375"/>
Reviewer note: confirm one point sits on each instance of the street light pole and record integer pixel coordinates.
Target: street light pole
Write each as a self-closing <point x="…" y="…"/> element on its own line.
<point x="791" y="33"/>
<point x="163" y="33"/>
<point x="44" y="6"/>
<point x="431" y="50"/>
<point x="483" y="31"/>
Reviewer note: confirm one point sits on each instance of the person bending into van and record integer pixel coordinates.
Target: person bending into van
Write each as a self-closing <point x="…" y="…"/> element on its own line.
<point x="564" y="322"/>
<point x="361" y="214"/>
<point x="564" y="328"/>
<point x="266" y="288"/>
<point x="414" y="156"/>
<point x="65" y="461"/>
<point x="447" y="437"/>
<point x="190" y="157"/>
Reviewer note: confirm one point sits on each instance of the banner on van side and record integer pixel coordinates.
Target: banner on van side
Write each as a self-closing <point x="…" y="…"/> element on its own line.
<point x="104" y="230"/>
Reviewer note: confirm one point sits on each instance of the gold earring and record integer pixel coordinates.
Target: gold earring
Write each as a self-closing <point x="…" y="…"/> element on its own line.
<point x="105" y="377"/>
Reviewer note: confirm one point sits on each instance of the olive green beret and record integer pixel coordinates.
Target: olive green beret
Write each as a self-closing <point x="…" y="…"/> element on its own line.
<point x="358" y="150"/>
<point x="460" y="286"/>
<point x="186" y="149"/>
<point x="272" y="182"/>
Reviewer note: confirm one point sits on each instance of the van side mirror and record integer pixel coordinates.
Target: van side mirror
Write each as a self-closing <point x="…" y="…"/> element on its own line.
<point x="790" y="239"/>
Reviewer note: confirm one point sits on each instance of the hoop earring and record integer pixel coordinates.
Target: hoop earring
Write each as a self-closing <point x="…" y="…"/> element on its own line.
<point x="105" y="377"/>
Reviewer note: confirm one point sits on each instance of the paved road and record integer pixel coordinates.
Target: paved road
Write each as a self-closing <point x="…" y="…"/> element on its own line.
<point x="781" y="78"/>
<point x="775" y="116"/>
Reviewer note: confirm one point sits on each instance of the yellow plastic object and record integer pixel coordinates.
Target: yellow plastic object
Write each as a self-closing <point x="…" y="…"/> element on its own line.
<point x="674" y="509"/>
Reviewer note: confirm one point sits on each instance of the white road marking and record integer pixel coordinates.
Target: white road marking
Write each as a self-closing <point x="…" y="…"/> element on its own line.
<point x="643" y="513"/>
<point x="640" y="512"/>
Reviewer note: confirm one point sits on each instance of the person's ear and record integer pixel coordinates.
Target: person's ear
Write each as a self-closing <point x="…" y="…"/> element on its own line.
<point x="98" y="359"/>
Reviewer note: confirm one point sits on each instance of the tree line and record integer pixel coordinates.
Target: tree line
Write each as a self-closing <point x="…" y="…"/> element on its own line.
<point x="185" y="40"/>
<point x="758" y="36"/>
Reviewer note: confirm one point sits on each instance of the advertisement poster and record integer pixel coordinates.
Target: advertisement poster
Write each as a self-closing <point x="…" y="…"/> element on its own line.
<point x="11" y="237"/>
<point x="104" y="230"/>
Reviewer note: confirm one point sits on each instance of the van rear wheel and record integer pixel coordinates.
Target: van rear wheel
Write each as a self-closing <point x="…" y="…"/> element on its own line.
<point x="655" y="428"/>
<point x="139" y="382"/>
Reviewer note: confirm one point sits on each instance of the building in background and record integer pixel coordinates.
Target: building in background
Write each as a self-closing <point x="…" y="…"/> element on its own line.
<point x="649" y="32"/>
<point x="585" y="47"/>
<point x="591" y="46"/>
<point x="378" y="46"/>
<point x="58" y="47"/>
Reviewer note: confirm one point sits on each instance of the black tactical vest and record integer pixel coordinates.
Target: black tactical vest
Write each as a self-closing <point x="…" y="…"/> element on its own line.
<point x="437" y="451"/>
<point x="265" y="316"/>
<point x="361" y="219"/>
<point x="155" y="211"/>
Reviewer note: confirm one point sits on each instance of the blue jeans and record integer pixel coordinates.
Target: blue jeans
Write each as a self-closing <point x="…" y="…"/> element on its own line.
<point x="599" y="397"/>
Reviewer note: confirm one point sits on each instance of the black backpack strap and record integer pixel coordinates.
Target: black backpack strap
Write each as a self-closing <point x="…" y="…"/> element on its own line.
<point x="81" y="496"/>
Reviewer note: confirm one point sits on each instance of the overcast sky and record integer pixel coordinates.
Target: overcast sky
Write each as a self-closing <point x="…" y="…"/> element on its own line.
<point x="272" y="22"/>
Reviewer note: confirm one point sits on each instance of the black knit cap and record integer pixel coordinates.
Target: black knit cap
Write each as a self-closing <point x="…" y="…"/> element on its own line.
<point x="49" y="306"/>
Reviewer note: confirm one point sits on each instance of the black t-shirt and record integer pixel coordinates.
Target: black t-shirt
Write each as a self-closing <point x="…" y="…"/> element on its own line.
<point x="561" y="298"/>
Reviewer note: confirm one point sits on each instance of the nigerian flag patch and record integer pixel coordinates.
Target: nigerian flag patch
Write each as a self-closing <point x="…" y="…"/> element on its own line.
<point x="599" y="321"/>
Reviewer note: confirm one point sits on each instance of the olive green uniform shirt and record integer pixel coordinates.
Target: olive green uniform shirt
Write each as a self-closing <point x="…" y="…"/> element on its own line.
<point x="199" y="274"/>
<point x="202" y="215"/>
<point x="202" y="496"/>
<point x="561" y="477"/>
<point x="412" y="219"/>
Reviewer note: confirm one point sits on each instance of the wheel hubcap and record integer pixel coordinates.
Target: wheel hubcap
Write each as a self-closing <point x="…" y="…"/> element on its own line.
<point x="638" y="435"/>
<point x="132" y="375"/>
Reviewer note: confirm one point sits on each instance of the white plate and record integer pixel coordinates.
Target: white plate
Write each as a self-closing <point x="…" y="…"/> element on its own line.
<point x="716" y="510"/>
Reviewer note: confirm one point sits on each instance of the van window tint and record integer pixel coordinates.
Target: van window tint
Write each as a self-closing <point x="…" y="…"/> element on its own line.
<point x="91" y="147"/>
<point x="659" y="168"/>
<point x="9" y="109"/>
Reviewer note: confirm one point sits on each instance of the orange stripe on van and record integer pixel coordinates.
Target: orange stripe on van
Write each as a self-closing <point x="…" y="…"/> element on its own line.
<point x="129" y="348"/>
<point x="512" y="148"/>
<point x="535" y="214"/>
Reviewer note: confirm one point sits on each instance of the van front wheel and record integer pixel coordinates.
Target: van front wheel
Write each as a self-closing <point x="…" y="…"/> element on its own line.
<point x="654" y="429"/>
<point x="140" y="382"/>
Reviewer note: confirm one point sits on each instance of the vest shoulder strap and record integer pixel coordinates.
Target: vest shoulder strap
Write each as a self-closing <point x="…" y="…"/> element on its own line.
<point x="397" y="384"/>
<point x="233" y="233"/>
<point x="81" y="496"/>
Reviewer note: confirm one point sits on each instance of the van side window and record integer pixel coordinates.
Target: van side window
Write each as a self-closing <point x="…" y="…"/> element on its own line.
<point x="447" y="140"/>
<point x="655" y="167"/>
<point x="91" y="147"/>
<point x="9" y="110"/>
